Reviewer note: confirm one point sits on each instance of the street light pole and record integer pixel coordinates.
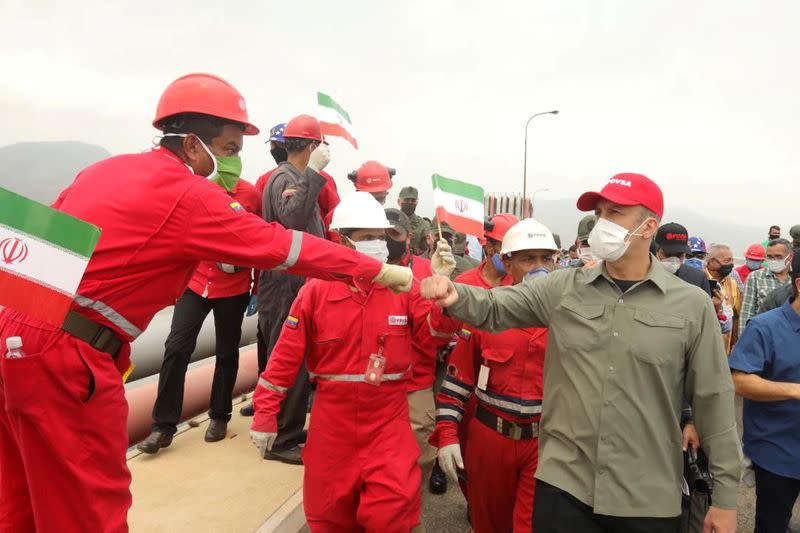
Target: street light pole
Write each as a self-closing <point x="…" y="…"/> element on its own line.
<point x="525" y="164"/>
<point x="533" y="200"/>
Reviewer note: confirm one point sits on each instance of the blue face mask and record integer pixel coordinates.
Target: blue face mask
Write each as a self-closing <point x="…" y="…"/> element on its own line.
<point x="535" y="273"/>
<point x="498" y="264"/>
<point x="753" y="264"/>
<point x="694" y="263"/>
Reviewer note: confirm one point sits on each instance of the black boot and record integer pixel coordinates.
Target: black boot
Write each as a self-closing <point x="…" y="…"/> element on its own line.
<point x="248" y="410"/>
<point x="438" y="481"/>
<point x="154" y="442"/>
<point x="216" y="430"/>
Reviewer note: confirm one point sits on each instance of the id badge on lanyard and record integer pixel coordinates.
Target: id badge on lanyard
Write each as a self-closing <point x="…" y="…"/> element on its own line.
<point x="377" y="364"/>
<point x="483" y="376"/>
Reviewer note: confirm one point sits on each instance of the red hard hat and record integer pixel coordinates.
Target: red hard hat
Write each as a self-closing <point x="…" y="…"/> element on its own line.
<point x="206" y="94"/>
<point x="755" y="251"/>
<point x="303" y="127"/>
<point x="502" y="223"/>
<point x="373" y="177"/>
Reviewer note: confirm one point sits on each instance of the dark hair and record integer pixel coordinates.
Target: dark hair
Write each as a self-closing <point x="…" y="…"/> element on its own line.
<point x="795" y="271"/>
<point x="784" y="242"/>
<point x="573" y="248"/>
<point x="206" y="127"/>
<point x="774" y="227"/>
<point x="294" y="145"/>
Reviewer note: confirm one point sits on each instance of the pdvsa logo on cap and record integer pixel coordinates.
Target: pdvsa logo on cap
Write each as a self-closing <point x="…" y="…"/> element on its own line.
<point x="618" y="181"/>
<point x="13" y="251"/>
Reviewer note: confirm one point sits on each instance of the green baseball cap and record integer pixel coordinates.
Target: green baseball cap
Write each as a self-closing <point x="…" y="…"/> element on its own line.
<point x="409" y="192"/>
<point x="585" y="227"/>
<point x="445" y="228"/>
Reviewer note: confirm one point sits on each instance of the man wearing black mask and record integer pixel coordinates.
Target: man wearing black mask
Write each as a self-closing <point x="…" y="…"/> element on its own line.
<point x="421" y="405"/>
<point x="409" y="196"/>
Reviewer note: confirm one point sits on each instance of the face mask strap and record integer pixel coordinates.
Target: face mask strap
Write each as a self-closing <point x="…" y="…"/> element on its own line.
<point x="208" y="151"/>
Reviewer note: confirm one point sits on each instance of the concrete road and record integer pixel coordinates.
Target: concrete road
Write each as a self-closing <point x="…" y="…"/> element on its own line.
<point x="447" y="513"/>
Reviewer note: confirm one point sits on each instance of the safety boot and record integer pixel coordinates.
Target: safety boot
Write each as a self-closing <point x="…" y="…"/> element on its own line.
<point x="154" y="442"/>
<point x="217" y="430"/>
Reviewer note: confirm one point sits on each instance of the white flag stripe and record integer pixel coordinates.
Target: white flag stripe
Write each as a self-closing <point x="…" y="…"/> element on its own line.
<point x="458" y="205"/>
<point x="44" y="262"/>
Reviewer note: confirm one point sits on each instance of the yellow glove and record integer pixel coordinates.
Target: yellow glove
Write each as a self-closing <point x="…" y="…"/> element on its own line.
<point x="395" y="277"/>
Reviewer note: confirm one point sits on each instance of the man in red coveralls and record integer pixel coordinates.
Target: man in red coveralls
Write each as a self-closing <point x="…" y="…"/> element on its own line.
<point x="63" y="412"/>
<point x="490" y="273"/>
<point x="361" y="471"/>
<point x="504" y="371"/>
<point x="421" y="405"/>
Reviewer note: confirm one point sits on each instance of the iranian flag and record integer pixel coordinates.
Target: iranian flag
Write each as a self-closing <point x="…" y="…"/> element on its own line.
<point x="334" y="120"/>
<point x="458" y="203"/>
<point x="43" y="255"/>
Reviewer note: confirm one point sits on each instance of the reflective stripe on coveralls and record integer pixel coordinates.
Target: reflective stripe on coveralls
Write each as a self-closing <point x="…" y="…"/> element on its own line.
<point x="357" y="377"/>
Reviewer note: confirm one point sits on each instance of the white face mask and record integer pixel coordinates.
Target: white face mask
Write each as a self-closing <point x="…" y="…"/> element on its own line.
<point x="213" y="159"/>
<point x="376" y="249"/>
<point x="671" y="264"/>
<point x="776" y="266"/>
<point x="610" y="241"/>
<point x="585" y="255"/>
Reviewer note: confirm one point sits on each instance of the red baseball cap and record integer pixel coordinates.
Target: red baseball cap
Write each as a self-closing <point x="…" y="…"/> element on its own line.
<point x="755" y="251"/>
<point x="626" y="189"/>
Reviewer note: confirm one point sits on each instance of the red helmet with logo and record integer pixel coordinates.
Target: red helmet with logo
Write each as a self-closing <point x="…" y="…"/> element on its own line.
<point x="498" y="225"/>
<point x="372" y="177"/>
<point x="303" y="127"/>
<point x="755" y="251"/>
<point x="206" y="94"/>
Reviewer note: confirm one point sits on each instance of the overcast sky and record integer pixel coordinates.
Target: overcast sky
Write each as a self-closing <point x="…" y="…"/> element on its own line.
<point x="700" y="96"/>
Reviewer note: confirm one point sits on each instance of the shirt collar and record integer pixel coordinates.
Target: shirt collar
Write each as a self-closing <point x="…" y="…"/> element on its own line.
<point x="791" y="315"/>
<point x="657" y="275"/>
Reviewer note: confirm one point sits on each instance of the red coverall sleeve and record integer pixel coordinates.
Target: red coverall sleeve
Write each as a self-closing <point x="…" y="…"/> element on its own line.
<point x="457" y="387"/>
<point x="284" y="363"/>
<point x="429" y="324"/>
<point x="218" y="231"/>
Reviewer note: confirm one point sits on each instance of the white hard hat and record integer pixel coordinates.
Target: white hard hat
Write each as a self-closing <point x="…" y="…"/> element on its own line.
<point x="528" y="234"/>
<point x="360" y="210"/>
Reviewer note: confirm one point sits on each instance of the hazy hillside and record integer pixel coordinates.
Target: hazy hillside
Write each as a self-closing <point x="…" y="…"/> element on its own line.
<point x="41" y="170"/>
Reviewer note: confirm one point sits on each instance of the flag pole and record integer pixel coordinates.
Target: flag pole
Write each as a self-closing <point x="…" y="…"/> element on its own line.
<point x="438" y="223"/>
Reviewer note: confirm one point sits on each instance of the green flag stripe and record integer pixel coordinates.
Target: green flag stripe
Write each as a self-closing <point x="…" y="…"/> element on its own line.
<point x="460" y="188"/>
<point x="327" y="101"/>
<point x="47" y="224"/>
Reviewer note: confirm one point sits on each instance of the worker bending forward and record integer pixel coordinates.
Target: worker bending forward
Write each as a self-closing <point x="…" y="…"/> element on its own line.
<point x="361" y="471"/>
<point x="504" y="371"/>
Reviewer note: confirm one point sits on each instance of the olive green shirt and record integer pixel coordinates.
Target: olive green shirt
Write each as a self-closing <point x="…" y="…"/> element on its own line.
<point x="617" y="369"/>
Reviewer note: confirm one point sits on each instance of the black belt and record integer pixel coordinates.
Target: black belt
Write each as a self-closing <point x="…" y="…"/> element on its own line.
<point x="506" y="428"/>
<point x="98" y="337"/>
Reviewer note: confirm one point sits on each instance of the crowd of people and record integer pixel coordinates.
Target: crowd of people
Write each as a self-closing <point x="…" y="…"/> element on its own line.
<point x="608" y="386"/>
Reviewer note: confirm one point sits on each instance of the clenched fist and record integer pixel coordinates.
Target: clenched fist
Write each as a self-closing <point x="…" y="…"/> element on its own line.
<point x="440" y="289"/>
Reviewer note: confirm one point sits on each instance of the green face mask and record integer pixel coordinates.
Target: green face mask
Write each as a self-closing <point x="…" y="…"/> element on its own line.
<point x="229" y="169"/>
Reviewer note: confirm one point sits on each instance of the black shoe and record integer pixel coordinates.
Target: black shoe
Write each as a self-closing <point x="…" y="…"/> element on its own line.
<point x="289" y="455"/>
<point x="248" y="410"/>
<point x="154" y="442"/>
<point x="438" y="481"/>
<point x="303" y="437"/>
<point x="216" y="430"/>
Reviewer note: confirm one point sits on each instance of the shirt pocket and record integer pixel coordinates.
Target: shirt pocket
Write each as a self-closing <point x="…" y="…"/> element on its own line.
<point x="581" y="325"/>
<point x="498" y="360"/>
<point x="658" y="339"/>
<point x="397" y="348"/>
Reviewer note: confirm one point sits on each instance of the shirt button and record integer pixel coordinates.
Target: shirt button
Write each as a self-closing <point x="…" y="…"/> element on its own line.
<point x="603" y="438"/>
<point x="621" y="301"/>
<point x="606" y="402"/>
<point x="616" y="334"/>
<point x="611" y="369"/>
<point x="601" y="472"/>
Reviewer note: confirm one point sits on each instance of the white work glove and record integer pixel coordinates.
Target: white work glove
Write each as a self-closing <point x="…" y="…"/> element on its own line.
<point x="450" y="460"/>
<point x="320" y="157"/>
<point x="443" y="262"/>
<point x="228" y="269"/>
<point x="395" y="277"/>
<point x="263" y="441"/>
